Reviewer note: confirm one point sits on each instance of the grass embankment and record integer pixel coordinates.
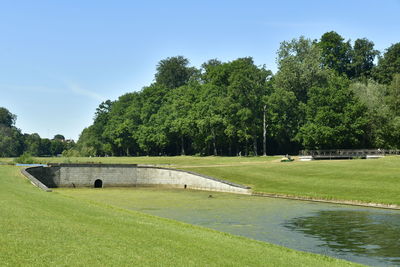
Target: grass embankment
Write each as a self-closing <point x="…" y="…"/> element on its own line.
<point x="177" y="161"/>
<point x="39" y="228"/>
<point x="376" y="181"/>
<point x="369" y="181"/>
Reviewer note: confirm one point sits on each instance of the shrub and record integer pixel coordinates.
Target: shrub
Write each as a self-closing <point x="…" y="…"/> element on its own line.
<point x="25" y="158"/>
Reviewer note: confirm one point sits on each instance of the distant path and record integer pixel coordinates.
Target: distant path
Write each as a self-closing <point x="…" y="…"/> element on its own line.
<point x="223" y="165"/>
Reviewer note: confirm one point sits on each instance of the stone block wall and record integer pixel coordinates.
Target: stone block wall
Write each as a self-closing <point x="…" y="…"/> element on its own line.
<point x="86" y="175"/>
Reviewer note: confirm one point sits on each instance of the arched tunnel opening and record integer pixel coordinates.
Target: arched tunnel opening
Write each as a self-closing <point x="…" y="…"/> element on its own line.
<point x="98" y="183"/>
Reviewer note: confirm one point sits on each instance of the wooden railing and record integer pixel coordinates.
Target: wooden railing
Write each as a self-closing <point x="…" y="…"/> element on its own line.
<point x="348" y="153"/>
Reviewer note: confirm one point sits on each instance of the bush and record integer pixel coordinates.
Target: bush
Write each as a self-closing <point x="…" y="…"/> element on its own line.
<point x="71" y="153"/>
<point x="25" y="158"/>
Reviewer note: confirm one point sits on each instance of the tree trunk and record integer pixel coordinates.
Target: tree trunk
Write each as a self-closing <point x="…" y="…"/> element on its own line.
<point x="255" y="145"/>
<point x="214" y="142"/>
<point x="182" y="147"/>
<point x="264" y="134"/>
<point x="127" y="151"/>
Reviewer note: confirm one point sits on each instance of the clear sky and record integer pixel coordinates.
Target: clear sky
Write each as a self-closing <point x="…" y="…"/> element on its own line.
<point x="60" y="59"/>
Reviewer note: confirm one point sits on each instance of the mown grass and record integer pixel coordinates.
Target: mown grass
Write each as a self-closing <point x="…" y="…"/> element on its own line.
<point x="376" y="181"/>
<point x="167" y="161"/>
<point x="41" y="229"/>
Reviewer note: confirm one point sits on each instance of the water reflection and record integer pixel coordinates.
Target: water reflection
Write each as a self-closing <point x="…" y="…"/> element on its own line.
<point x="358" y="232"/>
<point x="364" y="235"/>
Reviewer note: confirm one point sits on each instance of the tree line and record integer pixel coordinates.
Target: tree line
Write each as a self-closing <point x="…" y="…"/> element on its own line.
<point x="14" y="143"/>
<point x="327" y="93"/>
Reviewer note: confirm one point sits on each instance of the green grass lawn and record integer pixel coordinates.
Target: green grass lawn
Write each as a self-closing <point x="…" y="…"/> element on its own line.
<point x="41" y="229"/>
<point x="376" y="181"/>
<point x="162" y="161"/>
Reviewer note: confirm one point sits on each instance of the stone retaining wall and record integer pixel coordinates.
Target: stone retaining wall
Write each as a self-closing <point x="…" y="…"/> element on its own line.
<point x="107" y="175"/>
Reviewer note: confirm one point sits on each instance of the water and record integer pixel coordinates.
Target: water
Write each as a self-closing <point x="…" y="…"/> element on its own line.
<point x="30" y="165"/>
<point x="366" y="235"/>
<point x="370" y="233"/>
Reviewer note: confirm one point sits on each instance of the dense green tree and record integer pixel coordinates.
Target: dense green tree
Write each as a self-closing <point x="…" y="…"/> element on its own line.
<point x="335" y="119"/>
<point x="215" y="72"/>
<point x="393" y="101"/>
<point x="336" y="53"/>
<point x="380" y="128"/>
<point x="394" y="95"/>
<point x="363" y="58"/>
<point x="11" y="141"/>
<point x="45" y="147"/>
<point x="150" y="134"/>
<point x="215" y="123"/>
<point x="299" y="64"/>
<point x="33" y="144"/>
<point x="179" y="120"/>
<point x="174" y="72"/>
<point x="124" y="118"/>
<point x="300" y="69"/>
<point x="247" y="86"/>
<point x="283" y="116"/>
<point x="320" y="97"/>
<point x="91" y="141"/>
<point x="6" y="117"/>
<point x="388" y="65"/>
<point x="59" y="137"/>
<point x="210" y="117"/>
<point x="56" y="147"/>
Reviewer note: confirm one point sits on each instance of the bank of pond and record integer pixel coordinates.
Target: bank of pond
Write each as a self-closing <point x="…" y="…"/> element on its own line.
<point x="364" y="235"/>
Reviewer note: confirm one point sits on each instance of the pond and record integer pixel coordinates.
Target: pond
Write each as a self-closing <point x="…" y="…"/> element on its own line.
<point x="366" y="235"/>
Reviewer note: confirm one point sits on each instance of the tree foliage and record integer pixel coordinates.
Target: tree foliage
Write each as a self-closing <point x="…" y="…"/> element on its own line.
<point x="7" y="119"/>
<point x="389" y="64"/>
<point x="173" y="72"/>
<point x="334" y="118"/>
<point x="336" y="53"/>
<point x="322" y="96"/>
<point x="327" y="93"/>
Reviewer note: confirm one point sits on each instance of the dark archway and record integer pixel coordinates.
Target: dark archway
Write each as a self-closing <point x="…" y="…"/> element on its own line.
<point x="98" y="183"/>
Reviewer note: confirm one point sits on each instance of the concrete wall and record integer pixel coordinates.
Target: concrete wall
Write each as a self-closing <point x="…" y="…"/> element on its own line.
<point x="85" y="175"/>
<point x="35" y="181"/>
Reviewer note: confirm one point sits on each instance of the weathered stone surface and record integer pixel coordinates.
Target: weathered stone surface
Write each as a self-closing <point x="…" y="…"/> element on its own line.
<point x="85" y="175"/>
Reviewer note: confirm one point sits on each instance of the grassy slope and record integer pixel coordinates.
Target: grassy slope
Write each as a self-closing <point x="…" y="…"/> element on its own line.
<point x="375" y="181"/>
<point x="175" y="161"/>
<point x="39" y="228"/>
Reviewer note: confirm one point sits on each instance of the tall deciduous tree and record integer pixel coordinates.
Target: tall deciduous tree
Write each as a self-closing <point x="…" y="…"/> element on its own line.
<point x="363" y="58"/>
<point x="299" y="67"/>
<point x="389" y="64"/>
<point x="174" y="72"/>
<point x="379" y="114"/>
<point x="33" y="144"/>
<point x="247" y="86"/>
<point x="335" y="119"/>
<point x="180" y="120"/>
<point x="59" y="137"/>
<point x="394" y="94"/>
<point x="283" y="115"/>
<point x="210" y="116"/>
<point x="336" y="53"/>
<point x="6" y="117"/>
<point x="11" y="141"/>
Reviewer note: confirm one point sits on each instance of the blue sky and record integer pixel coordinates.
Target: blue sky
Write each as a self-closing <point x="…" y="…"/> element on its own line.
<point x="60" y="59"/>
